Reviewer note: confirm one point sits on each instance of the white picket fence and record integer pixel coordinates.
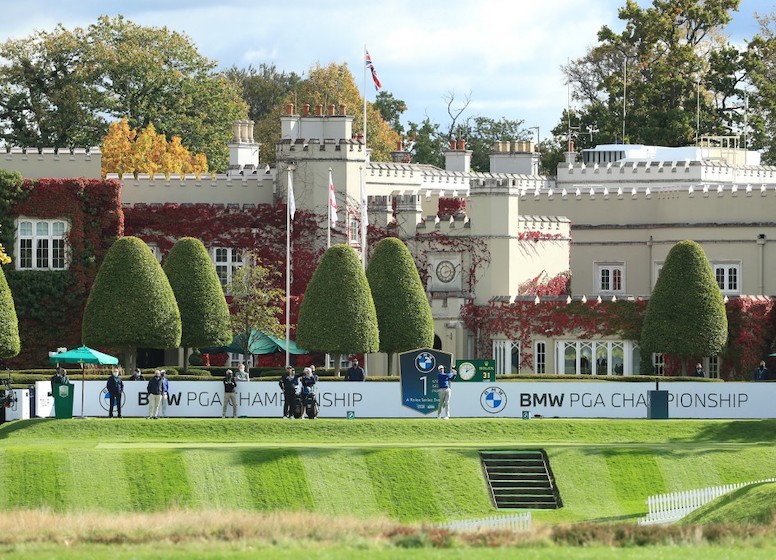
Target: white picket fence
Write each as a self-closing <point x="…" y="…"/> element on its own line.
<point x="517" y="522"/>
<point x="668" y="508"/>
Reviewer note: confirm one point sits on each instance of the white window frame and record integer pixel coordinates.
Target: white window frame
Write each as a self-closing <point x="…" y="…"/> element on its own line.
<point x="540" y="356"/>
<point x="613" y="269"/>
<point x="30" y="244"/>
<point x="731" y="272"/>
<point x="506" y="354"/>
<point x="713" y="367"/>
<point x="599" y="357"/>
<point x="155" y="251"/>
<point x="354" y="231"/>
<point x="658" y="363"/>
<point x="228" y="260"/>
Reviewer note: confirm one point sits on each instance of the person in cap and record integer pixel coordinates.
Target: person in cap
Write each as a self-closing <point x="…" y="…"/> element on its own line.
<point x="230" y="393"/>
<point x="289" y="383"/>
<point x="444" y="380"/>
<point x="115" y="387"/>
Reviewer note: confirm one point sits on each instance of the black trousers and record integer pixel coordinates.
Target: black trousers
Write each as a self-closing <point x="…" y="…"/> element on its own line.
<point x="289" y="398"/>
<point x="115" y="400"/>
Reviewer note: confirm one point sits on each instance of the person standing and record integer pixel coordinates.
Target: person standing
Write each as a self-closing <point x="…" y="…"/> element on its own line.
<point x="230" y="393"/>
<point x="309" y="398"/>
<point x="443" y="380"/>
<point x="699" y="371"/>
<point x="155" y="389"/>
<point x="242" y="375"/>
<point x="289" y="383"/>
<point x="115" y="387"/>
<point x="137" y="376"/>
<point x="355" y="372"/>
<point x="165" y="392"/>
<point x="762" y="373"/>
<point x="60" y="377"/>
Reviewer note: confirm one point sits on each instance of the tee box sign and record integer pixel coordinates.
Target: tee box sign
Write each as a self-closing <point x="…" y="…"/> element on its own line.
<point x="476" y="370"/>
<point x="419" y="384"/>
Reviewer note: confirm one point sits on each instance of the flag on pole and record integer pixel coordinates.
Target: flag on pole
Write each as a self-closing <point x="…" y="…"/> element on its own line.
<point x="291" y="200"/>
<point x="371" y="67"/>
<point x="364" y="216"/>
<point x="332" y="203"/>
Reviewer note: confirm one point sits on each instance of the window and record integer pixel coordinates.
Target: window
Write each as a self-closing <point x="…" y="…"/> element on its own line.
<point x="597" y="357"/>
<point x="227" y="261"/>
<point x="610" y="278"/>
<point x="156" y="251"/>
<point x="713" y="368"/>
<point x="41" y="244"/>
<point x="355" y="231"/>
<point x="728" y="277"/>
<point x="540" y="358"/>
<point x="658" y="364"/>
<point x="506" y="354"/>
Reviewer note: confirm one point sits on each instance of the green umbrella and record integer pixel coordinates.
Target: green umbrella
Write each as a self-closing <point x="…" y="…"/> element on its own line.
<point x="83" y="355"/>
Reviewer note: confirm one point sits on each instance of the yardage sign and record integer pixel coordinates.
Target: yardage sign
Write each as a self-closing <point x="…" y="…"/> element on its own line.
<point x="419" y="378"/>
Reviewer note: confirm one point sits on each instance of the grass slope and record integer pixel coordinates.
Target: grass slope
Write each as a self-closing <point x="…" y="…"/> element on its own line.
<point x="750" y="505"/>
<point x="400" y="469"/>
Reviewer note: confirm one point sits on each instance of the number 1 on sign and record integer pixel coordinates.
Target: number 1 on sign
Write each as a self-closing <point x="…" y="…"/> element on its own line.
<point x="424" y="380"/>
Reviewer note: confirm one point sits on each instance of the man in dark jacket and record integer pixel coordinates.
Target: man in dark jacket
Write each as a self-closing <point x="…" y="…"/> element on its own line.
<point x="60" y="377"/>
<point x="155" y="389"/>
<point x="289" y="383"/>
<point x="230" y="393"/>
<point x="355" y="372"/>
<point x="115" y="388"/>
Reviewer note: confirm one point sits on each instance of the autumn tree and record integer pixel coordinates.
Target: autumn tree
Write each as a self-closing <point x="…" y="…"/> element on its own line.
<point x="338" y="314"/>
<point x="257" y="302"/>
<point x="126" y="150"/>
<point x="686" y="314"/>
<point x="404" y="315"/>
<point x="61" y="88"/>
<point x="131" y="304"/>
<point x="333" y="84"/>
<point x="204" y="313"/>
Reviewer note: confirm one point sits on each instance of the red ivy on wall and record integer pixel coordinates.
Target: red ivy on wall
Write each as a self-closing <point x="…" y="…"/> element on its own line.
<point x="50" y="304"/>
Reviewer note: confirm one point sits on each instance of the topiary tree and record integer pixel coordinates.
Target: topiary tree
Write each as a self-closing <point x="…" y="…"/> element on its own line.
<point x="131" y="304"/>
<point x="338" y="314"/>
<point x="204" y="312"/>
<point x="403" y="313"/>
<point x="10" y="344"/>
<point x="686" y="315"/>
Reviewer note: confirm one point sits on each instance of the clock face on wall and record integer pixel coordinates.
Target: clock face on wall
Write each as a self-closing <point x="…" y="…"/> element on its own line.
<point x="466" y="371"/>
<point x="445" y="271"/>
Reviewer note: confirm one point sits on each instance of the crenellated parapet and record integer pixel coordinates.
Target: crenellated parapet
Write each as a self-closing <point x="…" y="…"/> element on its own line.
<point x="320" y="149"/>
<point x="252" y="188"/>
<point x="34" y="163"/>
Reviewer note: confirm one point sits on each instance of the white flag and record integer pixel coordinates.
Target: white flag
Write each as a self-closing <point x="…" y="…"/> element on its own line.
<point x="332" y="203"/>
<point x="291" y="200"/>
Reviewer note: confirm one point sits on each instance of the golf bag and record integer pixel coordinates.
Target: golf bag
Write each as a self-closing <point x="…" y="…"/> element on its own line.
<point x="310" y="404"/>
<point x="298" y="408"/>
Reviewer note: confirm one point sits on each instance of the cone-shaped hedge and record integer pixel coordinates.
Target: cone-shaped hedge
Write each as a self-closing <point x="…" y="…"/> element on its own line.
<point x="338" y="314"/>
<point x="686" y="312"/>
<point x="204" y="313"/>
<point x="10" y="344"/>
<point x="131" y="304"/>
<point x="403" y="313"/>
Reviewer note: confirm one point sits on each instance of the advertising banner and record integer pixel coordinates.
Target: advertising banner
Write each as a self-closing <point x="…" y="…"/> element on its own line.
<point x="500" y="400"/>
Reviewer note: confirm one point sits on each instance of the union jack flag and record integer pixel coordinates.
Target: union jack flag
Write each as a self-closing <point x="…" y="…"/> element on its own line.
<point x="371" y="67"/>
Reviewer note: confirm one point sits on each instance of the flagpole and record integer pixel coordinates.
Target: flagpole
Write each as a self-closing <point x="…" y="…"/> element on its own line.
<point x="288" y="263"/>
<point x="364" y="217"/>
<point x="364" y="65"/>
<point x="328" y="214"/>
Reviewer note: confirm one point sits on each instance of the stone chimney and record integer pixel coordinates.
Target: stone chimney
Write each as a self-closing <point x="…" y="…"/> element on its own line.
<point x="243" y="149"/>
<point x="516" y="157"/>
<point x="458" y="158"/>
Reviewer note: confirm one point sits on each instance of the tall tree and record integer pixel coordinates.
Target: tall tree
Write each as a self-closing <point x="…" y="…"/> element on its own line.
<point x="338" y="314"/>
<point x="61" y="88"/>
<point x="390" y="109"/>
<point x="332" y="84"/>
<point x="256" y="302"/>
<point x="10" y="344"/>
<point x="131" y="304"/>
<point x="686" y="315"/>
<point x="262" y="89"/>
<point x="426" y="143"/>
<point x="662" y="67"/>
<point x="481" y="133"/>
<point x="204" y="313"/>
<point x="404" y="315"/>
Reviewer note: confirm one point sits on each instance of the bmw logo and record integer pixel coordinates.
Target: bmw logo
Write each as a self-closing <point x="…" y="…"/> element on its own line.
<point x="493" y="400"/>
<point x="425" y="362"/>
<point x="105" y="400"/>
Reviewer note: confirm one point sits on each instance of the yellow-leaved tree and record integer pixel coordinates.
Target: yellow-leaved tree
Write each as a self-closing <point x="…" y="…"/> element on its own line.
<point x="126" y="150"/>
<point x="325" y="85"/>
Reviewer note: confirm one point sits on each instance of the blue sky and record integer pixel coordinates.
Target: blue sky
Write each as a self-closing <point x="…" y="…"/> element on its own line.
<point x="505" y="53"/>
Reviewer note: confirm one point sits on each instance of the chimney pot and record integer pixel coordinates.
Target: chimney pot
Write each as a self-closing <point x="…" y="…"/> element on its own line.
<point x="452" y="144"/>
<point x="331" y="110"/>
<point x="342" y="109"/>
<point x="461" y="144"/>
<point x="289" y="109"/>
<point x="319" y="110"/>
<point x="306" y="112"/>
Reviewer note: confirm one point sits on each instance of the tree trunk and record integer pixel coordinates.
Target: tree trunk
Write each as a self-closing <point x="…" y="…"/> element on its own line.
<point x="337" y="360"/>
<point x="185" y="358"/>
<point x="391" y="361"/>
<point x="130" y="359"/>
